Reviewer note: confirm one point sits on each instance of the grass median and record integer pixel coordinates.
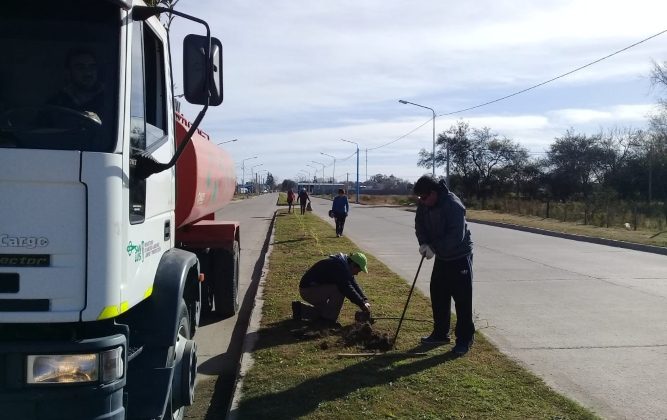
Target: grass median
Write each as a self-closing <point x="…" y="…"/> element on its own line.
<point x="298" y="371"/>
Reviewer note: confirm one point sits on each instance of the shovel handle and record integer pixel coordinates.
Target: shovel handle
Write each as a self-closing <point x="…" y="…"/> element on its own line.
<point x="407" y="301"/>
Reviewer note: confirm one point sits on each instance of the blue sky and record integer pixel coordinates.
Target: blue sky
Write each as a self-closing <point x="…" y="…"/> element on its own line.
<point x="302" y="74"/>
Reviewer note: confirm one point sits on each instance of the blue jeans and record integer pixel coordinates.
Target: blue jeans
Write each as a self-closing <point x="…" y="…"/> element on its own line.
<point x="452" y="280"/>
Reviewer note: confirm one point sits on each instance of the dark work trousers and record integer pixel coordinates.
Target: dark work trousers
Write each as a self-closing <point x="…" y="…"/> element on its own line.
<point x="326" y="299"/>
<point x="303" y="207"/>
<point x="289" y="206"/>
<point x="340" y="222"/>
<point x="452" y="279"/>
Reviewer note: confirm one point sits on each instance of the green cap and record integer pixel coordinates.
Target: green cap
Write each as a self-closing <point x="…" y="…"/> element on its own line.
<point x="360" y="259"/>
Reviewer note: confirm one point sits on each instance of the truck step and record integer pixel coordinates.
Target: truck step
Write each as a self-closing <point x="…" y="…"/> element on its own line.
<point x="133" y="352"/>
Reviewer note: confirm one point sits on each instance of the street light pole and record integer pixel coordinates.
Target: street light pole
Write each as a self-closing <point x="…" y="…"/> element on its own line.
<point x="243" y="169"/>
<point x="447" y="145"/>
<point x="323" y="165"/>
<point x="315" y="173"/>
<point x="252" y="172"/>
<point x="262" y="179"/>
<point x="356" y="200"/>
<point x="333" y="173"/>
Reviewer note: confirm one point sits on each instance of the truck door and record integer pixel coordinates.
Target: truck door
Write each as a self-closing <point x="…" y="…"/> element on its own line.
<point x="151" y="201"/>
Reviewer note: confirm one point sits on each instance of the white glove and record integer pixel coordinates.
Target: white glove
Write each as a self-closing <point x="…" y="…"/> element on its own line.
<point x="426" y="251"/>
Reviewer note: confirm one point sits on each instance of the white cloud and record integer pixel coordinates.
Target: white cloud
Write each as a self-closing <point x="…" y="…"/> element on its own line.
<point x="300" y="74"/>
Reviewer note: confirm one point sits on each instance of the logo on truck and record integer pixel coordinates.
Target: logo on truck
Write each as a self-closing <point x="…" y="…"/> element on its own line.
<point x="143" y="250"/>
<point x="30" y="242"/>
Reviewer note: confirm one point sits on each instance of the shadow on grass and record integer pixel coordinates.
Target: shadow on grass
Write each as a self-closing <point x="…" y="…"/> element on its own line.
<point x="291" y="241"/>
<point x="289" y="331"/>
<point x="304" y="398"/>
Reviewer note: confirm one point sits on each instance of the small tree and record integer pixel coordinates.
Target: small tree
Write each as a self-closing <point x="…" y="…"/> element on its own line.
<point x="288" y="184"/>
<point x="270" y="182"/>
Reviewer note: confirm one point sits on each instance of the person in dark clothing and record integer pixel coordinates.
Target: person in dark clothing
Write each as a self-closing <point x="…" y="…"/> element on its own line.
<point x="340" y="207"/>
<point x="303" y="199"/>
<point x="326" y="285"/>
<point x="83" y="92"/>
<point x="442" y="231"/>
<point x="290" y="200"/>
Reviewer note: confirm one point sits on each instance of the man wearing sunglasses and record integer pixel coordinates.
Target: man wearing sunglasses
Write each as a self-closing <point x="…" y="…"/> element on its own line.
<point x="442" y="232"/>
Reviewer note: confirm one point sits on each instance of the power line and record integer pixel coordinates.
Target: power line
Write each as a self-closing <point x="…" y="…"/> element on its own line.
<point x="557" y="77"/>
<point x="403" y="136"/>
<point x="527" y="89"/>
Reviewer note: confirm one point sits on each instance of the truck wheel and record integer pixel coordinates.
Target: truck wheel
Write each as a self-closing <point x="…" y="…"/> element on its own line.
<point x="185" y="370"/>
<point x="226" y="274"/>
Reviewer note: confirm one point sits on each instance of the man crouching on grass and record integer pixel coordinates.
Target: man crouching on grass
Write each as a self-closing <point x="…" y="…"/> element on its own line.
<point x="326" y="285"/>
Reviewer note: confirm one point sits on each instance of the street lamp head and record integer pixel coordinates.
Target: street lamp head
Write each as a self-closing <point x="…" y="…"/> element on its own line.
<point x="402" y="101"/>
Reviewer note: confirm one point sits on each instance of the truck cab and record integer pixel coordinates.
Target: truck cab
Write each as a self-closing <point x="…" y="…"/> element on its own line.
<point x="98" y="302"/>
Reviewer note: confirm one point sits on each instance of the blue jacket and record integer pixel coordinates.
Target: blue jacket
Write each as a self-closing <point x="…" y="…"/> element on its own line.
<point x="340" y="204"/>
<point x="443" y="227"/>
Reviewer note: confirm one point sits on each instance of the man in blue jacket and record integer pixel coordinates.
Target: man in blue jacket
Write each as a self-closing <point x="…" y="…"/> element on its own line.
<point x="326" y="285"/>
<point x="442" y="231"/>
<point x="340" y="207"/>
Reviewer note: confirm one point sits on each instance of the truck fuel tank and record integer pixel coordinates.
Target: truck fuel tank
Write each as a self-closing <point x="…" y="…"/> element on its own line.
<point x="205" y="176"/>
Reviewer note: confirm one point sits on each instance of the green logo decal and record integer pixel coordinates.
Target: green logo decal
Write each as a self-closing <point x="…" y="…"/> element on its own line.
<point x="136" y="250"/>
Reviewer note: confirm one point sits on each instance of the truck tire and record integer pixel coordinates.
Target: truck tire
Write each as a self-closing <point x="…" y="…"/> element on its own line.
<point x="225" y="269"/>
<point x="182" y="389"/>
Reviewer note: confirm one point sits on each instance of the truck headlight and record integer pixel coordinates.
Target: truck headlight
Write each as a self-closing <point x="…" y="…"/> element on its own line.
<point x="75" y="368"/>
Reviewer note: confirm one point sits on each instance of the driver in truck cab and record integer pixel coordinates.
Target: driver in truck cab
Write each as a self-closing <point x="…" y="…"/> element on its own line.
<point x="83" y="91"/>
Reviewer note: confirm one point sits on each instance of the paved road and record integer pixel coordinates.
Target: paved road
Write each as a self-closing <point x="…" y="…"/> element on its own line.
<point x="590" y="320"/>
<point x="219" y="344"/>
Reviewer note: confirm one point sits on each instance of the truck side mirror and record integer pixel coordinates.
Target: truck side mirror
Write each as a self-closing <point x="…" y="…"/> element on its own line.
<point x="197" y="89"/>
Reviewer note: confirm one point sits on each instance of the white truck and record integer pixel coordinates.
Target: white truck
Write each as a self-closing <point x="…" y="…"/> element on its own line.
<point x="109" y="249"/>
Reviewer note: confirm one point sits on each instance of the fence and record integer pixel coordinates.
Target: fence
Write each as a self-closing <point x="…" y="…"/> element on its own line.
<point x="637" y="215"/>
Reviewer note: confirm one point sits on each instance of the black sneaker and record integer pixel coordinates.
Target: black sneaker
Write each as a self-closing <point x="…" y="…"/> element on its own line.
<point x="435" y="339"/>
<point x="296" y="310"/>
<point x="462" y="348"/>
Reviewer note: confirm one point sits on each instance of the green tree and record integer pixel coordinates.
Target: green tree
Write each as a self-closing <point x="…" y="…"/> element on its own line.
<point x="576" y="163"/>
<point x="270" y="182"/>
<point x="481" y="161"/>
<point x="287" y="184"/>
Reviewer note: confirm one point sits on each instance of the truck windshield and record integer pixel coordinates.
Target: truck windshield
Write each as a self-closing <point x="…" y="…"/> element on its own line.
<point x="59" y="75"/>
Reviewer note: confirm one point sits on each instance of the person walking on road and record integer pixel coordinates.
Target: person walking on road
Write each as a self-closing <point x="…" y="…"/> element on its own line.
<point x="290" y="200"/>
<point x="303" y="200"/>
<point x="442" y="231"/>
<point x="340" y="207"/>
<point x="326" y="285"/>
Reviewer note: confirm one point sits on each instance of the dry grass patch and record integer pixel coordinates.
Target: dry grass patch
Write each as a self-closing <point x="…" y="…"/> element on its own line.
<point x="298" y="373"/>
<point x="635" y="236"/>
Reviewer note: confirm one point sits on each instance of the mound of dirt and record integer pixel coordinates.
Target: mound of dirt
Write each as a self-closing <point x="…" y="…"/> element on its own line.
<point x="362" y="335"/>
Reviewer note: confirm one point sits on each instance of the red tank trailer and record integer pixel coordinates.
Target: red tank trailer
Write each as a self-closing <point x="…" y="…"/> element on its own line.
<point x="205" y="183"/>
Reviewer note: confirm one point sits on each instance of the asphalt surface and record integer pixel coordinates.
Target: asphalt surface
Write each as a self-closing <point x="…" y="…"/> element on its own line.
<point x="219" y="343"/>
<point x="589" y="319"/>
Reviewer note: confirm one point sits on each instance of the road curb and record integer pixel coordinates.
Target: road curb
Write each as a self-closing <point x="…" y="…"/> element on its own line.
<point x="600" y="241"/>
<point x="250" y="339"/>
